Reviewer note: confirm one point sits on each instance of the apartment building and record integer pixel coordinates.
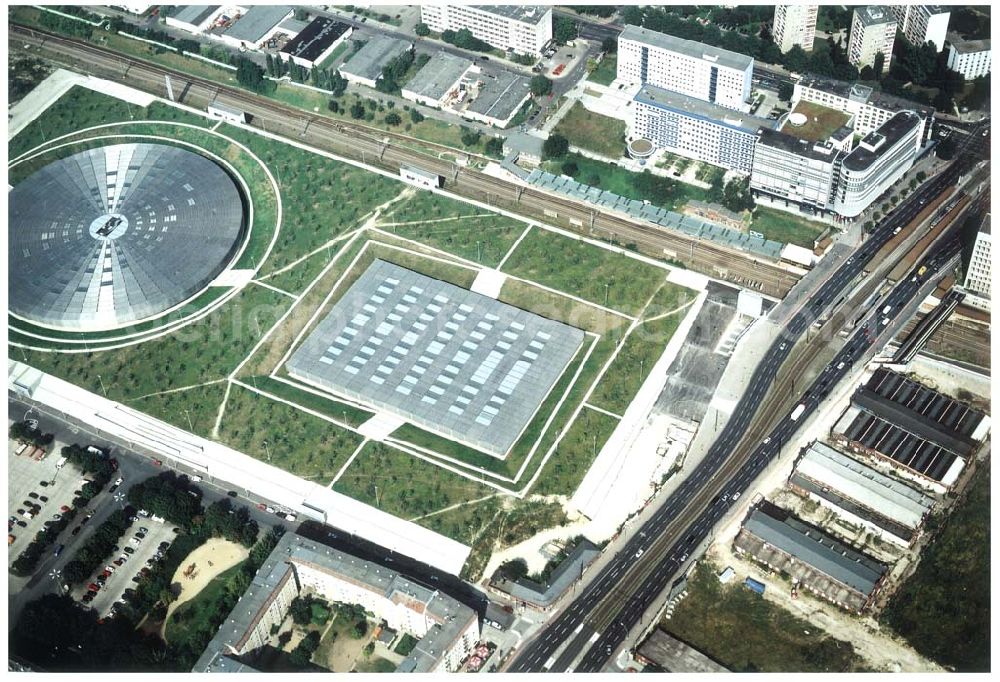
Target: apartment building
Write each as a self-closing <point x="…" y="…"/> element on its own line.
<point x="697" y="70"/>
<point x="922" y="23"/>
<point x="696" y="129"/>
<point x="979" y="273"/>
<point x="869" y="108"/>
<point x="873" y="31"/>
<point x="448" y="630"/>
<point x="525" y="29"/>
<point x="971" y="58"/>
<point x="795" y="25"/>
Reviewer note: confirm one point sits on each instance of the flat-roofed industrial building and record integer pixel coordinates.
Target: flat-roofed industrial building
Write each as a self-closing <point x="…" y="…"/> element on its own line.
<point x="861" y="494"/>
<point x="316" y="42"/>
<point x="366" y="65"/>
<point x="818" y="562"/>
<point x="451" y="361"/>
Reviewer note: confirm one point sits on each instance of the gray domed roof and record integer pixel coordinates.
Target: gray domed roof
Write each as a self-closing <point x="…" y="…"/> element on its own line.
<point x="117" y="234"/>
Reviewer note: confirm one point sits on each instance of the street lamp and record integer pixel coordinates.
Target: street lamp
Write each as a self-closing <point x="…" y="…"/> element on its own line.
<point x="187" y="413"/>
<point x="268" y="451"/>
<point x="104" y="390"/>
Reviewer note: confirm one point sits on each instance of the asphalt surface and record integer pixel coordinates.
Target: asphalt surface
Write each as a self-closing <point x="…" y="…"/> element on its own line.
<point x="598" y="621"/>
<point x="133" y="467"/>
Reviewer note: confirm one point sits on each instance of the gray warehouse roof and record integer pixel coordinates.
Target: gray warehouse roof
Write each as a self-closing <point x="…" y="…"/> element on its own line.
<point x="501" y="95"/>
<point x="690" y="106"/>
<point x="116" y="234"/>
<point x="675" y="656"/>
<point x="258" y="20"/>
<point x="877" y="492"/>
<point x="194" y="14"/>
<point x="449" y="360"/>
<point x="716" y="55"/>
<point x="438" y="75"/>
<point x="815" y="548"/>
<point x="369" y="61"/>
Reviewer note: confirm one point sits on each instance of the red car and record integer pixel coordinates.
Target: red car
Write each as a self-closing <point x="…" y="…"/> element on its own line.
<point x="94" y="587"/>
<point x="64" y="509"/>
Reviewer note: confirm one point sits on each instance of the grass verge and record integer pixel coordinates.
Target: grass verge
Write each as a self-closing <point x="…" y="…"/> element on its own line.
<point x="597" y="133"/>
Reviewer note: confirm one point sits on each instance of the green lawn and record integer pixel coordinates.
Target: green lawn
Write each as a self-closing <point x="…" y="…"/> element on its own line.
<point x="200" y="404"/>
<point x="406" y="644"/>
<point x="375" y="665"/>
<point x="746" y="633"/>
<point x="634" y="363"/>
<point x="576" y="452"/>
<point x="82" y="107"/>
<point x="606" y="71"/>
<point x="331" y="408"/>
<point x="667" y="193"/>
<point x="454" y="226"/>
<point x="785" y="227"/>
<point x="943" y="609"/>
<point x="322" y="198"/>
<point x="595" y="132"/>
<point x="307" y="446"/>
<point x="190" y="618"/>
<point x="335" y="56"/>
<point x="575" y="267"/>
<point x="405" y="487"/>
<point x="202" y="351"/>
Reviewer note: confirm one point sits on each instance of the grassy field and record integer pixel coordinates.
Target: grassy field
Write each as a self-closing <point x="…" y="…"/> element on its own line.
<point x="600" y="134"/>
<point x="404" y="488"/>
<point x="634" y="363"/>
<point x="307" y="446"/>
<point x="331" y="408"/>
<point x="375" y="665"/>
<point x="821" y="121"/>
<point x="943" y="609"/>
<point x="666" y="193"/>
<point x="576" y="452"/>
<point x="190" y="618"/>
<point x="606" y="71"/>
<point x="200" y="405"/>
<point x="573" y="266"/>
<point x="458" y="228"/>
<point x="745" y="633"/>
<point x="786" y="228"/>
<point x="322" y="198"/>
<point x="82" y="107"/>
<point x="202" y="351"/>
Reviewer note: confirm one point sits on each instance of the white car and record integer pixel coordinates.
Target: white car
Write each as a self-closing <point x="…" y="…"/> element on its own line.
<point x="119" y="480"/>
<point x="639" y="553"/>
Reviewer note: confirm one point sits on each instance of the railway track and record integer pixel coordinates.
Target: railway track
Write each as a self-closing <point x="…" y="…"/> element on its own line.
<point x="385" y="149"/>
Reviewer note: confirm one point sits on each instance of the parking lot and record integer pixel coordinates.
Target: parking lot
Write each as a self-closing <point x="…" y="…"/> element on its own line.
<point x="25" y="476"/>
<point x="120" y="579"/>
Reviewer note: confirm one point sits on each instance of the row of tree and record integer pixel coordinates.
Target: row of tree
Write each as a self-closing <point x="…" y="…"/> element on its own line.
<point x="98" y="548"/>
<point x="26" y="434"/>
<point x="168" y="495"/>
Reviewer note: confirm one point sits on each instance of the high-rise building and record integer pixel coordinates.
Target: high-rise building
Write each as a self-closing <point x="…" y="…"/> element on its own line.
<point x="971" y="58"/>
<point x="979" y="274"/>
<point x="697" y="70"/>
<point x="695" y="129"/>
<point x="922" y="23"/>
<point x="794" y="25"/>
<point x="873" y="31"/>
<point x="525" y="29"/>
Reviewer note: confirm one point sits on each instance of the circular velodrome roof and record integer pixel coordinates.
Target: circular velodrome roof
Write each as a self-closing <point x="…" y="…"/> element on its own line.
<point x="117" y="234"/>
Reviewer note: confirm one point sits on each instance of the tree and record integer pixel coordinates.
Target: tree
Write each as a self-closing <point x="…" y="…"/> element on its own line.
<point x="334" y="106"/>
<point x="357" y="110"/>
<point x="540" y="85"/>
<point x="736" y="195"/>
<point x="564" y="30"/>
<point x="470" y="138"/>
<point x="878" y="66"/>
<point x="360" y="629"/>
<point x="494" y="147"/>
<point x="570" y="168"/>
<point x="609" y="45"/>
<point x="555" y="146"/>
<point x="785" y="91"/>
<point x="416" y="116"/>
<point x="867" y="73"/>
<point x="422" y="30"/>
<point x="946" y="149"/>
<point x="251" y="76"/>
<point x="393" y="119"/>
<point x="921" y="176"/>
<point x="270" y="64"/>
<point x="299" y="611"/>
<point x="338" y="84"/>
<point x="796" y="59"/>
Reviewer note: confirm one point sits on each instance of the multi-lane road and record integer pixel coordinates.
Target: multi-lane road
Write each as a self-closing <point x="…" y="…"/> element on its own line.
<point x="597" y="622"/>
<point x="388" y="150"/>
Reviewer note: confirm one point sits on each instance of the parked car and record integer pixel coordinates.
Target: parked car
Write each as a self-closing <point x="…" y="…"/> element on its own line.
<point x="43" y="498"/>
<point x="59" y="549"/>
<point x="94" y="587"/>
<point x="87" y="598"/>
<point x="129" y="550"/>
<point x="33" y="495"/>
<point x="164" y="545"/>
<point x="44" y="484"/>
<point x="143" y="530"/>
<point x="135" y="578"/>
<point x="118" y="562"/>
<point x="22" y="524"/>
<point x="76" y="531"/>
<point x="109" y="569"/>
<point x="64" y="508"/>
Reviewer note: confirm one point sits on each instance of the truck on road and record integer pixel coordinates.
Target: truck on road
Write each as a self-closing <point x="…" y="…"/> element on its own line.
<point x="754" y="585"/>
<point x="797" y="412"/>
